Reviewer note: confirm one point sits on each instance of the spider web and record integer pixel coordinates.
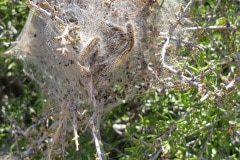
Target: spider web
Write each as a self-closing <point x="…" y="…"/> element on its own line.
<point x="65" y="76"/>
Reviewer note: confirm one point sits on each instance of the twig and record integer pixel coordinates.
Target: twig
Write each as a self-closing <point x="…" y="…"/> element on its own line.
<point x="94" y="121"/>
<point x="76" y="136"/>
<point x="61" y="130"/>
<point x="41" y="120"/>
<point x="230" y="27"/>
<point x="168" y="131"/>
<point x="98" y="144"/>
<point x="14" y="125"/>
<point x="198" y="46"/>
<point x="34" y="147"/>
<point x="209" y="137"/>
<point x="221" y="92"/>
<point x="189" y="80"/>
<point x="180" y="16"/>
<point x="43" y="12"/>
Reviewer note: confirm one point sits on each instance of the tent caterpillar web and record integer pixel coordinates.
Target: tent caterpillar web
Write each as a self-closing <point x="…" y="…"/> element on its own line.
<point x="115" y="60"/>
<point x="122" y="53"/>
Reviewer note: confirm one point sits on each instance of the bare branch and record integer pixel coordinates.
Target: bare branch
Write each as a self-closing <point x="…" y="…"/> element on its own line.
<point x="230" y="28"/>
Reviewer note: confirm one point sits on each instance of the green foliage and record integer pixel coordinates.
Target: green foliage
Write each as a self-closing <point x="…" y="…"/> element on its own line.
<point x="13" y="15"/>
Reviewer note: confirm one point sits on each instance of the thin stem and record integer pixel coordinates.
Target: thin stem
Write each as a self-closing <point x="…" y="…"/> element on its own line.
<point x="94" y="122"/>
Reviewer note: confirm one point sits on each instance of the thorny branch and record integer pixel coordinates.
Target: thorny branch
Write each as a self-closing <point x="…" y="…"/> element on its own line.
<point x="26" y="133"/>
<point x="94" y="123"/>
<point x="76" y="136"/>
<point x="164" y="48"/>
<point x="194" y="81"/>
<point x="226" y="27"/>
<point x="179" y="40"/>
<point x="44" y="12"/>
<point x="40" y="121"/>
